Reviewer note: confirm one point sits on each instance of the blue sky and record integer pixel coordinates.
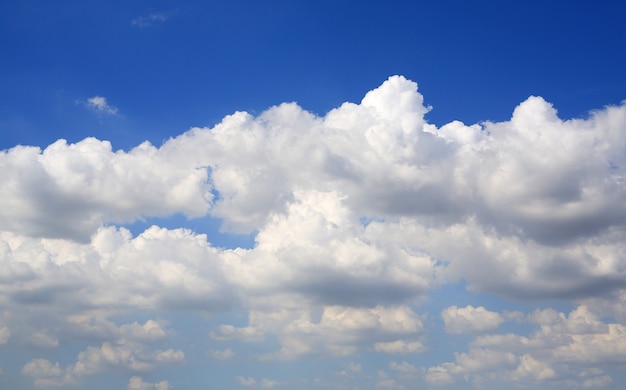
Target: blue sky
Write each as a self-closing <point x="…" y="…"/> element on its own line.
<point x="305" y="195"/>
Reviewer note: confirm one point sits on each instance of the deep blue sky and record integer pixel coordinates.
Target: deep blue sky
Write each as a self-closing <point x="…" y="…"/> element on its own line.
<point x="473" y="61"/>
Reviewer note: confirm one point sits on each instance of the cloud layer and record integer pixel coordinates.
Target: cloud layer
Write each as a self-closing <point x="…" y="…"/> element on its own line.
<point x="357" y="216"/>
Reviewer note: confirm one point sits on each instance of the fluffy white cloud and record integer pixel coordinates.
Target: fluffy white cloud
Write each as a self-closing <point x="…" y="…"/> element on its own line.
<point x="158" y="269"/>
<point x="565" y="349"/>
<point x="526" y="198"/>
<point x="357" y="215"/>
<point x="47" y="374"/>
<point x="470" y="319"/>
<point x="339" y="331"/>
<point x="318" y="249"/>
<point x="131" y="357"/>
<point x="69" y="191"/>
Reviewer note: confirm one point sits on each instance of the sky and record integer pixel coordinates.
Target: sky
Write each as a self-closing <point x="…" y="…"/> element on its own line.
<point x="312" y="195"/>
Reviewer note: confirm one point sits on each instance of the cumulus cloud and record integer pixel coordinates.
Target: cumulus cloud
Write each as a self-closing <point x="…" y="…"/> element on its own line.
<point x="137" y="383"/>
<point x="405" y="368"/>
<point x="400" y="347"/>
<point x="356" y="215"/>
<point x="94" y="360"/>
<point x="247" y="382"/>
<point x="470" y="319"/>
<point x="69" y="191"/>
<point x="339" y="331"/>
<point x="131" y="350"/>
<point x="524" y="198"/>
<point x="568" y="349"/>
<point x="222" y="355"/>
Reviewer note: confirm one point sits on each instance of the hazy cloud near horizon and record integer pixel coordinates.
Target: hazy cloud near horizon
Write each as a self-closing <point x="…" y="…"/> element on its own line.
<point x="357" y="216"/>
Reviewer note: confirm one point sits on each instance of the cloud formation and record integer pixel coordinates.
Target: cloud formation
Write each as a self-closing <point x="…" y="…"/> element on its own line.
<point x="99" y="104"/>
<point x="130" y="351"/>
<point x="470" y="319"/>
<point x="357" y="216"/>
<point x="566" y="349"/>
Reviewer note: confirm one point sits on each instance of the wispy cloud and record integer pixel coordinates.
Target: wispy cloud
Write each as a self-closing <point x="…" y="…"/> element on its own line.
<point x="99" y="104"/>
<point x="151" y="18"/>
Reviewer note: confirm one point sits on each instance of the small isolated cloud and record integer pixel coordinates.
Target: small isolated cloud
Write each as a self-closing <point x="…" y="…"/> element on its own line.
<point x="99" y="104"/>
<point x="150" y="19"/>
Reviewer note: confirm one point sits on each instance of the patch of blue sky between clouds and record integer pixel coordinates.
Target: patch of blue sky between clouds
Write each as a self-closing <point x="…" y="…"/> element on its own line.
<point x="210" y="226"/>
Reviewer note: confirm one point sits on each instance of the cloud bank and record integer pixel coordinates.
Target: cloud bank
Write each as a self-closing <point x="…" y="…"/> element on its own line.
<point x="357" y="216"/>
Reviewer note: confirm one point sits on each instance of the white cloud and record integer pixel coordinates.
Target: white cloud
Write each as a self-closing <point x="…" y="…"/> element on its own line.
<point x="5" y="334"/>
<point x="557" y="352"/>
<point x="99" y="104"/>
<point x="405" y="368"/>
<point x="504" y="193"/>
<point x="47" y="374"/>
<point x="158" y="269"/>
<point x="130" y="351"/>
<point x="150" y="330"/>
<point x="137" y="383"/>
<point x="69" y="191"/>
<point x="226" y="354"/>
<point x="598" y="381"/>
<point x="248" y="382"/>
<point x="339" y="331"/>
<point x="270" y="383"/>
<point x="43" y="340"/>
<point x="94" y="360"/>
<point x="400" y="347"/>
<point x="470" y="319"/>
<point x="357" y="215"/>
<point x="439" y="375"/>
